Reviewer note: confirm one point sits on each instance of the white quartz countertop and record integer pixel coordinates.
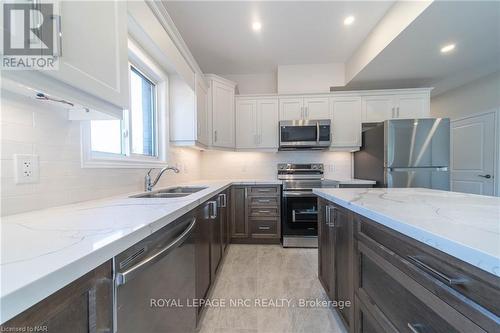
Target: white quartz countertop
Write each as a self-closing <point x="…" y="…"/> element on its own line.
<point x="44" y="250"/>
<point x="465" y="226"/>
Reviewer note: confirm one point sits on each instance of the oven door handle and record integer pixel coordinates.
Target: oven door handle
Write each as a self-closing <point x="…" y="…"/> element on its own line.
<point x="317" y="132"/>
<point x="306" y="194"/>
<point x="294" y="214"/>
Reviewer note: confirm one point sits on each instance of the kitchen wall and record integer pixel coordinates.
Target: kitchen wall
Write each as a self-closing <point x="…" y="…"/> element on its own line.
<point x="256" y="165"/>
<point x="310" y="78"/>
<point x="260" y="83"/>
<point x="480" y="95"/>
<point x="32" y="127"/>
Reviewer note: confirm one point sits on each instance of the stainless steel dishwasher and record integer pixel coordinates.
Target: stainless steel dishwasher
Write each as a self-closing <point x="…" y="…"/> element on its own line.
<point x="161" y="267"/>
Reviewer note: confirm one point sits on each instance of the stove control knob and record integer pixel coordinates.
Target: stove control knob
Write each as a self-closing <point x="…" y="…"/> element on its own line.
<point x="314" y="166"/>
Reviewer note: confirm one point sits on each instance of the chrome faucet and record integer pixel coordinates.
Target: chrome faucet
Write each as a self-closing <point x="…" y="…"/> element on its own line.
<point x="148" y="185"/>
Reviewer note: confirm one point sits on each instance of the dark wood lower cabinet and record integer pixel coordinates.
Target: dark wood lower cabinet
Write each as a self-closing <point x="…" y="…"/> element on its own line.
<point x="83" y="306"/>
<point x="325" y="250"/>
<point x="202" y="252"/>
<point x="255" y="213"/>
<point x="225" y="217"/>
<point x="335" y="256"/>
<point x="398" y="284"/>
<point x="239" y="225"/>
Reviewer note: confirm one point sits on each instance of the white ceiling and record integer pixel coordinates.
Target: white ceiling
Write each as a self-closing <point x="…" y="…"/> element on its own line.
<point x="220" y="37"/>
<point x="414" y="59"/>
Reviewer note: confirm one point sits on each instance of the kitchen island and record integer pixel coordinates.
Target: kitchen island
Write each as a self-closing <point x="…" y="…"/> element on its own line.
<point x="411" y="258"/>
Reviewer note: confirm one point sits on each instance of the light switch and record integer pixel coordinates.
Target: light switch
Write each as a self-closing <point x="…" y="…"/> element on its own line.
<point x="26" y="169"/>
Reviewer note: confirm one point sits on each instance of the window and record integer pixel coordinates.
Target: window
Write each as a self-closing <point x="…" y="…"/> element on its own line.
<point x="142" y="114"/>
<point x="134" y="141"/>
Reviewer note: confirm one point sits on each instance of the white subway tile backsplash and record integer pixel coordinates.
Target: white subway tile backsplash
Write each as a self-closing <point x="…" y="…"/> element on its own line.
<point x="33" y="127"/>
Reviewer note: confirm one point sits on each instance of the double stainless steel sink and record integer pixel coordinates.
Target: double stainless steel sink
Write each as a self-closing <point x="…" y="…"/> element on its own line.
<point x="171" y="192"/>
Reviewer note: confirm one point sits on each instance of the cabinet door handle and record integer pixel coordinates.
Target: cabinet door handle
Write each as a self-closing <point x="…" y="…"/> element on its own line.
<point x="330" y="213"/>
<point x="485" y="176"/>
<point x="398" y="111"/>
<point x="222" y="200"/>
<point x="264" y="228"/>
<point x="441" y="276"/>
<point x="212" y="206"/>
<point x="393" y="115"/>
<point x="215" y="136"/>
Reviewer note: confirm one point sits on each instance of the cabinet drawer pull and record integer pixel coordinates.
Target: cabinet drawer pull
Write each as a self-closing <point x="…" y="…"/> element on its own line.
<point x="441" y="276"/>
<point x="415" y="328"/>
<point x="264" y="228"/>
<point x="262" y="200"/>
<point x="264" y="211"/>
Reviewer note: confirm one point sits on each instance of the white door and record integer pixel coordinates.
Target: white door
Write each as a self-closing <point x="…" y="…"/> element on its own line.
<point x="316" y="108"/>
<point x="202" y="112"/>
<point x="473" y="154"/>
<point x="378" y="108"/>
<point x="267" y="123"/>
<point x="223" y="115"/>
<point x="291" y="108"/>
<point x="246" y="122"/>
<point x="94" y="55"/>
<point x="413" y="106"/>
<point x="346" y="121"/>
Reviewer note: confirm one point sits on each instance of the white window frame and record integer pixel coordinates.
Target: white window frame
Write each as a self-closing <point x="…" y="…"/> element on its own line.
<point x="93" y="159"/>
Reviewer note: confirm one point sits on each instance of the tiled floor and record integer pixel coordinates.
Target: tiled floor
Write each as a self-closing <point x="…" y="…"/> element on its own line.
<point x="264" y="272"/>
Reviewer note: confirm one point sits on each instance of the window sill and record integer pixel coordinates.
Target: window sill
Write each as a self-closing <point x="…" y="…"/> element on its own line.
<point x="124" y="163"/>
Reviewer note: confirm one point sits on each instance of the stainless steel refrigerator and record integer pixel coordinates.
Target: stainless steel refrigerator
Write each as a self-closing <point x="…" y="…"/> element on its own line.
<point x="406" y="153"/>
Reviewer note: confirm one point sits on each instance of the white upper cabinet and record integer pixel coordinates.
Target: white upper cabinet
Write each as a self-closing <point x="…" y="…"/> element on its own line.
<point x="304" y="108"/>
<point x="246" y="123"/>
<point x="413" y="106"/>
<point x="291" y="108"/>
<point x="267" y="123"/>
<point x="92" y="50"/>
<point x="396" y="105"/>
<point x="316" y="108"/>
<point x="346" y="121"/>
<point x="221" y="103"/>
<point x="377" y="108"/>
<point x="202" y="131"/>
<point x="257" y="123"/>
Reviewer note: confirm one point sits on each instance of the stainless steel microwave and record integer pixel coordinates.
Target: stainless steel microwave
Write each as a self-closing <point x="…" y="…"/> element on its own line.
<point x="305" y="134"/>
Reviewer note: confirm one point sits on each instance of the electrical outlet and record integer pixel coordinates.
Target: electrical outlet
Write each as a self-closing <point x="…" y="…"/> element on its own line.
<point x="26" y="169"/>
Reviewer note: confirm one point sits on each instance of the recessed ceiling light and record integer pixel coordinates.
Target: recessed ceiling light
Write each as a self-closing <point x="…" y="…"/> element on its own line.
<point x="447" y="48"/>
<point x="256" y="26"/>
<point x="349" y="20"/>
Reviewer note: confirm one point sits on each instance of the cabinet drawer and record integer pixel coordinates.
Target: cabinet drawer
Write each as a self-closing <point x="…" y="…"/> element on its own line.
<point x="264" y="211"/>
<point x="406" y="304"/>
<point x="264" y="201"/>
<point x="263" y="191"/>
<point x="444" y="275"/>
<point x="263" y="227"/>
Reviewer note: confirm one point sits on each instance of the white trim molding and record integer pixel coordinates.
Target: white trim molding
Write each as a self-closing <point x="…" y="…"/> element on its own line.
<point x="92" y="159"/>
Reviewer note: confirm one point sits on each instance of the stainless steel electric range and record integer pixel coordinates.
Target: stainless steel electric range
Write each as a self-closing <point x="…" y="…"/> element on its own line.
<point x="299" y="206"/>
